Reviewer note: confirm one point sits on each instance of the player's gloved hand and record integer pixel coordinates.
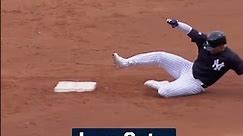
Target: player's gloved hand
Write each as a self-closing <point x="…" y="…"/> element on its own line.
<point x="172" y="22"/>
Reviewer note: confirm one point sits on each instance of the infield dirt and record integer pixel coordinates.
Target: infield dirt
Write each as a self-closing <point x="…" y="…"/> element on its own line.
<point x="43" y="42"/>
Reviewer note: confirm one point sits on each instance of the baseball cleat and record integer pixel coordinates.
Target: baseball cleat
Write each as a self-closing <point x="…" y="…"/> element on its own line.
<point x="155" y="84"/>
<point x="119" y="61"/>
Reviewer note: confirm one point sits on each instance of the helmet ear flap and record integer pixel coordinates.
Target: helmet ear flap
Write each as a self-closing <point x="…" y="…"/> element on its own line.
<point x="207" y="46"/>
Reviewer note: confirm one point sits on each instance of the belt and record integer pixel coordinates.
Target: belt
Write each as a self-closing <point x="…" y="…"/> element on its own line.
<point x="204" y="86"/>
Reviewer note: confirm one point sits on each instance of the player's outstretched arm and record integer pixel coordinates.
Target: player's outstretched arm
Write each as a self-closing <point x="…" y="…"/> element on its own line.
<point x="180" y="25"/>
<point x="194" y="34"/>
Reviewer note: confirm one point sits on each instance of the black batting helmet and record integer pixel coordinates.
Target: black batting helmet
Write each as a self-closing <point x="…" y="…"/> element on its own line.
<point x="216" y="38"/>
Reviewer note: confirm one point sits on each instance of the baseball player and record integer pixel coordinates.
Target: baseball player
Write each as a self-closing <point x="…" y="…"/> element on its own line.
<point x="213" y="61"/>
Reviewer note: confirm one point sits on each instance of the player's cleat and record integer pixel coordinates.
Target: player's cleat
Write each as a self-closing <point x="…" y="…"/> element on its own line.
<point x="120" y="62"/>
<point x="152" y="84"/>
<point x="155" y="84"/>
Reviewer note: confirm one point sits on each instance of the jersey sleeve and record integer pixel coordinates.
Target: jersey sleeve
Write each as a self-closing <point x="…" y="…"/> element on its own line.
<point x="237" y="65"/>
<point x="197" y="36"/>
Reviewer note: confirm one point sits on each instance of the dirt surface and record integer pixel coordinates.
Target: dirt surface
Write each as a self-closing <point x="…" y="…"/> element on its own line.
<point x="43" y="42"/>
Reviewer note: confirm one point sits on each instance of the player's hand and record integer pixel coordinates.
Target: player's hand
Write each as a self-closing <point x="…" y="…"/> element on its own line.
<point x="172" y="22"/>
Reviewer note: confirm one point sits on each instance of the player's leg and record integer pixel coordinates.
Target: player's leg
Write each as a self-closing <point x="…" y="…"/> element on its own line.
<point x="155" y="84"/>
<point x="183" y="86"/>
<point x="173" y="64"/>
<point x="186" y="84"/>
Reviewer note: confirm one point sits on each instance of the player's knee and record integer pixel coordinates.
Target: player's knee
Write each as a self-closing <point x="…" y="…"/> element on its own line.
<point x="160" y="53"/>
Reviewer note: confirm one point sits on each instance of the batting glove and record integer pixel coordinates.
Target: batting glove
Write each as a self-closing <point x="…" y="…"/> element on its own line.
<point x="172" y="22"/>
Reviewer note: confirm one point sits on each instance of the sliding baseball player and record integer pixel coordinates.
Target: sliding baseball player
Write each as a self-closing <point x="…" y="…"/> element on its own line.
<point x="214" y="59"/>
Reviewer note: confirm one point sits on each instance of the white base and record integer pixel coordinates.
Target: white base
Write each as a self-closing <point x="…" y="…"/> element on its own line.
<point x="70" y="86"/>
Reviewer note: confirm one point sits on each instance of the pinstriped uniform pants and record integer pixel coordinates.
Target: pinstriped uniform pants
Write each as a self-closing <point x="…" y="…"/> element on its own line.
<point x="179" y="68"/>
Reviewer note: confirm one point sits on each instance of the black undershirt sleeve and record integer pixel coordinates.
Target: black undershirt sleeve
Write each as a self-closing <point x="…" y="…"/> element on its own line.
<point x="197" y="37"/>
<point x="193" y="34"/>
